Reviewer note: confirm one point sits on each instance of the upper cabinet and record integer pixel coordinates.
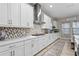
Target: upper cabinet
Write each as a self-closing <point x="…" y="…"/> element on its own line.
<point x="16" y="15"/>
<point x="9" y="14"/>
<point x="3" y="14"/>
<point x="26" y="15"/>
<point x="47" y="20"/>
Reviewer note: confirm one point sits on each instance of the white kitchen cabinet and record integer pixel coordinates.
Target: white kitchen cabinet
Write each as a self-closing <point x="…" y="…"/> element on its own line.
<point x="28" y="48"/>
<point x="35" y="45"/>
<point x="40" y="43"/>
<point x="55" y="36"/>
<point x="19" y="51"/>
<point x="14" y="49"/>
<point x="51" y="38"/>
<point x="14" y="14"/>
<point x="26" y="15"/>
<point x="9" y="14"/>
<point x="3" y="14"/>
<point x="47" y="20"/>
<point x="48" y="39"/>
<point x="43" y="42"/>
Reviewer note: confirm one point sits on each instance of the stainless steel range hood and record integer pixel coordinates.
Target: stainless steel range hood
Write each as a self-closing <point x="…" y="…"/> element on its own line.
<point x="38" y="17"/>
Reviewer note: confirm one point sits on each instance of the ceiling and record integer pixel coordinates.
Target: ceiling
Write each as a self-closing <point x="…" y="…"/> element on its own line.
<point x="60" y="10"/>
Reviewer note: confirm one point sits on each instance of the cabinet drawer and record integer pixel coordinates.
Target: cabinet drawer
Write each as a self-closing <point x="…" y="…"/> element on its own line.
<point x="10" y="46"/>
<point x="4" y="48"/>
<point x="17" y="44"/>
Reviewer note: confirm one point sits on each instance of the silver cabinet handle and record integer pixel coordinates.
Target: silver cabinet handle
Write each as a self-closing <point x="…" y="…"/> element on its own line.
<point x="9" y="21"/>
<point x="11" y="53"/>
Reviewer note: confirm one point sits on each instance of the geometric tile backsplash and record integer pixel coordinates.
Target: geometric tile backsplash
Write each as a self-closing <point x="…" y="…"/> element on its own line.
<point x="12" y="32"/>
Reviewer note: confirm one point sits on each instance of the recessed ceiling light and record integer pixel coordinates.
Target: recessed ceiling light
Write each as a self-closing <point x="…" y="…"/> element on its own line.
<point x="51" y="6"/>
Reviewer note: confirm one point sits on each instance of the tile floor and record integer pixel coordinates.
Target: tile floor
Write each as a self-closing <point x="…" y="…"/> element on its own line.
<point x="61" y="47"/>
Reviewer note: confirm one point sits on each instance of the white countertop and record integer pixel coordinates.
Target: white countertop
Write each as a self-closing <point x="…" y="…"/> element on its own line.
<point x="9" y="41"/>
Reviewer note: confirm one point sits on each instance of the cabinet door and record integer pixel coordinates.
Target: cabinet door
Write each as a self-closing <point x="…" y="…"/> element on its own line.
<point x="18" y="51"/>
<point x="35" y="46"/>
<point x="14" y="14"/>
<point x="47" y="39"/>
<point x="40" y="43"/>
<point x="50" y="38"/>
<point x="28" y="48"/>
<point x="26" y="15"/>
<point x="3" y="13"/>
<point x="6" y="53"/>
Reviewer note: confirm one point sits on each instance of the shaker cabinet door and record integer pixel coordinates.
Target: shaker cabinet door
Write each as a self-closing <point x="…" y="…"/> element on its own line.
<point x="26" y="15"/>
<point x="3" y="14"/>
<point x="19" y="51"/>
<point x="14" y="14"/>
<point x="35" y="46"/>
<point x="28" y="48"/>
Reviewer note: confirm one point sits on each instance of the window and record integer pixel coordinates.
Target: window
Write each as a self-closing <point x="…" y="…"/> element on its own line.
<point x="65" y="25"/>
<point x="75" y="27"/>
<point x="65" y="28"/>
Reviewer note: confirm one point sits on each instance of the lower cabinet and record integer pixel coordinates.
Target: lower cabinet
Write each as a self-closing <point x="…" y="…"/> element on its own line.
<point x="28" y="48"/>
<point x="51" y="38"/>
<point x="45" y="40"/>
<point x="14" y="49"/>
<point x="40" y="43"/>
<point x="35" y="45"/>
<point x="18" y="51"/>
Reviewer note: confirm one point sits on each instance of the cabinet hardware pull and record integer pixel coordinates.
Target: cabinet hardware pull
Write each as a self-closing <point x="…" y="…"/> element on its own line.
<point x="11" y="53"/>
<point x="9" y="21"/>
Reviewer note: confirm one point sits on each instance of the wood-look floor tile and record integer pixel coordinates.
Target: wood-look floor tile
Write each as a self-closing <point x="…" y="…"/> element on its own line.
<point x="59" y="48"/>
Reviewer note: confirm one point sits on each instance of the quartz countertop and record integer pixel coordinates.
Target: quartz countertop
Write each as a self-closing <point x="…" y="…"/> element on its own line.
<point x="9" y="41"/>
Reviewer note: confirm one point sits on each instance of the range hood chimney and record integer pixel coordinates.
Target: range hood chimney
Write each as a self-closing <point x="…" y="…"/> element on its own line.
<point x="38" y="14"/>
